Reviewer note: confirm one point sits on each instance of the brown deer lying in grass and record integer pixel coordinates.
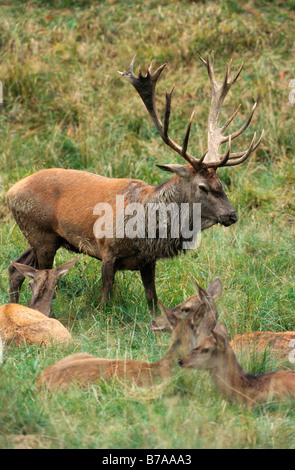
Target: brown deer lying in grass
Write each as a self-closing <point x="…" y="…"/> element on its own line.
<point x="258" y="341"/>
<point x="19" y="324"/>
<point x="57" y="207"/>
<point x="85" y="368"/>
<point x="216" y="355"/>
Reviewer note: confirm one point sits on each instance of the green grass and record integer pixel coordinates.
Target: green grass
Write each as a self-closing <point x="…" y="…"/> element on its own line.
<point x="66" y="106"/>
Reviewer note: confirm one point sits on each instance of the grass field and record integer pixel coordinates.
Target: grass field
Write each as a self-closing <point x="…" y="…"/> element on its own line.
<point x="66" y="106"/>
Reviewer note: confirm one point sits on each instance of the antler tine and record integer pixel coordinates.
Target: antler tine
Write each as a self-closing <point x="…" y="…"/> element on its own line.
<point x="240" y="157"/>
<point x="129" y="71"/>
<point x="237" y="74"/>
<point x="145" y="86"/>
<point x="167" y="112"/>
<point x="186" y="137"/>
<point x="150" y="69"/>
<point x="242" y="128"/>
<point x="201" y="59"/>
<point x="244" y="157"/>
<point x="210" y="67"/>
<point x="225" y="126"/>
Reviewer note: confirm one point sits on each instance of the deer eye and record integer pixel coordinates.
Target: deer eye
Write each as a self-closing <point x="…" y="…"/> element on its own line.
<point x="186" y="309"/>
<point x="204" y="188"/>
<point x="205" y="350"/>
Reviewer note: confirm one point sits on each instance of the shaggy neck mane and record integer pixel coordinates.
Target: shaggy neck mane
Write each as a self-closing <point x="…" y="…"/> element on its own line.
<point x="170" y="191"/>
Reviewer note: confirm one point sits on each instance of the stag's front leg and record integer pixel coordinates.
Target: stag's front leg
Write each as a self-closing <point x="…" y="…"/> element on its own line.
<point x="15" y="277"/>
<point x="148" y="280"/>
<point x="108" y="272"/>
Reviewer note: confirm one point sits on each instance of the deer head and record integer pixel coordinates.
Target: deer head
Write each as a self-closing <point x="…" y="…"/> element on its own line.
<point x="184" y="324"/>
<point x="43" y="284"/>
<point x="204" y="299"/>
<point x="199" y="178"/>
<point x="208" y="352"/>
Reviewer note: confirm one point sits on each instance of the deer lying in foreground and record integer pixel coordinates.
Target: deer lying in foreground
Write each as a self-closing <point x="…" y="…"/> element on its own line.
<point x="57" y="207"/>
<point x="85" y="368"/>
<point x="215" y="354"/>
<point x="19" y="324"/>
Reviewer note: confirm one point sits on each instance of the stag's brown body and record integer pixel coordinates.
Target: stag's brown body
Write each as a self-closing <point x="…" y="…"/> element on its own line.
<point x="56" y="207"/>
<point x="61" y="205"/>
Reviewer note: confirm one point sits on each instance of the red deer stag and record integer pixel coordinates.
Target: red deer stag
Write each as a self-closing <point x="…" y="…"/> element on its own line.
<point x="56" y="207"/>
<point x="215" y="354"/>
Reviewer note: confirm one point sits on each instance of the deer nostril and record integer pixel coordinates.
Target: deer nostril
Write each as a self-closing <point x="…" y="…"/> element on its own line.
<point x="233" y="217"/>
<point x="228" y="219"/>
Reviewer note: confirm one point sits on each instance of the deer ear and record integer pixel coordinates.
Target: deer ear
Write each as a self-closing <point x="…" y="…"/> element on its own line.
<point x="215" y="289"/>
<point x="220" y="334"/>
<point x="199" y="290"/>
<point x="27" y="271"/>
<point x="181" y="170"/>
<point x="63" y="269"/>
<point x="171" y="317"/>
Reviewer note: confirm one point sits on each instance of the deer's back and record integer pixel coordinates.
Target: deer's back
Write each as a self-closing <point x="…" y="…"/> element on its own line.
<point x="258" y="341"/>
<point x="20" y="324"/>
<point x="85" y="368"/>
<point x="265" y="387"/>
<point x="62" y="202"/>
<point x="275" y="384"/>
<point x="63" y="189"/>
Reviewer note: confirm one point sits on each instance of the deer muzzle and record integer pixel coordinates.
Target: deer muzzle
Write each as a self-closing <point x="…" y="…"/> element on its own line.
<point x="228" y="219"/>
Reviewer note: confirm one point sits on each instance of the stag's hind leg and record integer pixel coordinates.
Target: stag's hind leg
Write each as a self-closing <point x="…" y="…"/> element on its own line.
<point x="45" y="244"/>
<point x="15" y="277"/>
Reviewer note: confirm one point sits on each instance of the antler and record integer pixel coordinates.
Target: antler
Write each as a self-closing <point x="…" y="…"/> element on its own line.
<point x="215" y="134"/>
<point x="146" y="86"/>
